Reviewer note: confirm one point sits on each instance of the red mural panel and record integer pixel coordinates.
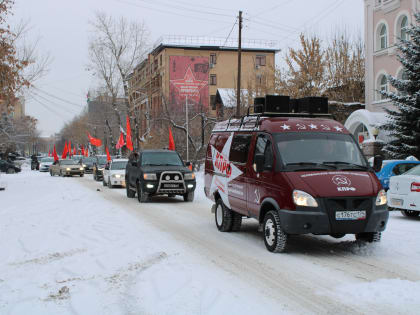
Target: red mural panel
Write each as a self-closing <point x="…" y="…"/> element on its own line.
<point x="189" y="78"/>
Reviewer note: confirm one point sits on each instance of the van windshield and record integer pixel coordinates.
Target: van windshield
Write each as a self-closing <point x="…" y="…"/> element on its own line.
<point x="319" y="151"/>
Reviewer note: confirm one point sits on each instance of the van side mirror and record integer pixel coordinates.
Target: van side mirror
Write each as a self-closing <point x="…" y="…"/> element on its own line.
<point x="377" y="163"/>
<point x="259" y="162"/>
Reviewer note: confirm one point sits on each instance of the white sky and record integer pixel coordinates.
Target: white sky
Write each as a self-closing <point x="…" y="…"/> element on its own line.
<point x="64" y="30"/>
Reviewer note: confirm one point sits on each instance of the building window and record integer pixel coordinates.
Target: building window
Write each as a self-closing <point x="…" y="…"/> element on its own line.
<point x="213" y="102"/>
<point x="213" y="79"/>
<point x="383" y="37"/>
<point x="260" y="60"/>
<point x="403" y="28"/>
<point x="212" y="59"/>
<point x="260" y="79"/>
<point x="382" y="87"/>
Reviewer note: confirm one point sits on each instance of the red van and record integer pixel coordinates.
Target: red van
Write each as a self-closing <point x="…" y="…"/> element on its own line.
<point x="296" y="173"/>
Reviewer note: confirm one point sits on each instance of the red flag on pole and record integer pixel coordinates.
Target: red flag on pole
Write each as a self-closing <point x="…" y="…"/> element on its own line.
<point x="108" y="156"/>
<point x="94" y="141"/>
<point x="65" y="151"/>
<point x="171" y="141"/>
<point x="120" y="142"/>
<point x="83" y="150"/>
<point x="128" y="136"/>
<point x="74" y="151"/>
<point x="87" y="151"/>
<point x="55" y="154"/>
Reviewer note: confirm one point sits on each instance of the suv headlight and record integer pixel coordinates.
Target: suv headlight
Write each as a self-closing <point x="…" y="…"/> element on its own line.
<point x="301" y="198"/>
<point x="81" y="168"/>
<point x="189" y="176"/>
<point x="381" y="198"/>
<point x="116" y="175"/>
<point x="149" y="176"/>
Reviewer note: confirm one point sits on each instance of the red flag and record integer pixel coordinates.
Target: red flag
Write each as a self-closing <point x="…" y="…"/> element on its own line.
<point x="83" y="151"/>
<point x="128" y="136"/>
<point x="55" y="154"/>
<point x="74" y="151"/>
<point x="94" y="141"/>
<point x="120" y="142"/>
<point x="171" y="141"/>
<point x="87" y="152"/>
<point x="108" y="156"/>
<point x="65" y="151"/>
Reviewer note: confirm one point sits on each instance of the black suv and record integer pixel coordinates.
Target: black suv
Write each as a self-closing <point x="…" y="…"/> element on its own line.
<point x="99" y="163"/>
<point x="158" y="172"/>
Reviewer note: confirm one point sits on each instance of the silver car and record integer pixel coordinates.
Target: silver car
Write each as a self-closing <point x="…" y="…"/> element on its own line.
<point x="66" y="168"/>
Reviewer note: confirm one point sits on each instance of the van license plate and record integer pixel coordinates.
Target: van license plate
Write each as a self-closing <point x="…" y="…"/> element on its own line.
<point x="350" y="215"/>
<point x="396" y="202"/>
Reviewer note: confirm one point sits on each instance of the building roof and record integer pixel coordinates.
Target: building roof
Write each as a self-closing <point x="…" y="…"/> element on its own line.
<point x="214" y="43"/>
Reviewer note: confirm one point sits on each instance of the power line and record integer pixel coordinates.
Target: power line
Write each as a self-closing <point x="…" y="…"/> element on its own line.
<point x="272" y="8"/>
<point x="182" y="8"/>
<point x="168" y="12"/>
<point x="48" y="108"/>
<point x="45" y="99"/>
<point x="59" y="98"/>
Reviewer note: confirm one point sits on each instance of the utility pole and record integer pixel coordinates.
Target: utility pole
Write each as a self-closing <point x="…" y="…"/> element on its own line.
<point x="186" y="121"/>
<point x="238" y="90"/>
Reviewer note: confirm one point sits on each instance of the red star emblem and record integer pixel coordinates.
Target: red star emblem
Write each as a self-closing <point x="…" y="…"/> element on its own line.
<point x="189" y="86"/>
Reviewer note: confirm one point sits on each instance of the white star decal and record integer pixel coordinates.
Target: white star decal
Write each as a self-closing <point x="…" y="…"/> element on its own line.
<point x="285" y="127"/>
<point x="224" y="171"/>
<point x="338" y="128"/>
<point x="312" y="126"/>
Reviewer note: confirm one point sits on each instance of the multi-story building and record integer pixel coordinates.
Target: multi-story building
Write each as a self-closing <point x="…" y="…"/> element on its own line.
<point x="385" y="24"/>
<point x="188" y="70"/>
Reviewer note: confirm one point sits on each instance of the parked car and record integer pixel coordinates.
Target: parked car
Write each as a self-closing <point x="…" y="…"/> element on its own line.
<point x="46" y="162"/>
<point x="114" y="173"/>
<point x="295" y="172"/>
<point x="158" y="172"/>
<point x="393" y="167"/>
<point x="87" y="163"/>
<point x="8" y="167"/>
<point x="66" y="168"/>
<point x="404" y="192"/>
<point x="99" y="163"/>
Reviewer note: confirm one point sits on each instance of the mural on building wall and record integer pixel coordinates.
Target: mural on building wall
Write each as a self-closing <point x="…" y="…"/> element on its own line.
<point x="189" y="78"/>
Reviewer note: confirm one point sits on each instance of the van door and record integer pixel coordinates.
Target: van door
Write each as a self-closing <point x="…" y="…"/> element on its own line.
<point x="237" y="187"/>
<point x="260" y="185"/>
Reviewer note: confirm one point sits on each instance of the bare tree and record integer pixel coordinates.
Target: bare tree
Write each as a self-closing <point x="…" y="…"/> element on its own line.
<point x="306" y="68"/>
<point x="116" y="47"/>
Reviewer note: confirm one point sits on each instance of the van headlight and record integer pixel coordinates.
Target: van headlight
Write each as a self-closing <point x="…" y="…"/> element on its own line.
<point x="301" y="198"/>
<point x="381" y="198"/>
<point x="116" y="175"/>
<point x="68" y="169"/>
<point x="189" y="176"/>
<point x="149" y="176"/>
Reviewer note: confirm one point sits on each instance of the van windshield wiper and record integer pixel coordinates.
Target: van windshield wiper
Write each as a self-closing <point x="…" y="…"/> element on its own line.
<point x="345" y="163"/>
<point x="316" y="166"/>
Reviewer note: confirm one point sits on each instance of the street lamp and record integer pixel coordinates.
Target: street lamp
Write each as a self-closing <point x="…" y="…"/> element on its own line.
<point x="375" y="132"/>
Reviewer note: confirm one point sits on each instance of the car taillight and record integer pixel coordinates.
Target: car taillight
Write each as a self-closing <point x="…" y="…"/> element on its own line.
<point x="415" y="187"/>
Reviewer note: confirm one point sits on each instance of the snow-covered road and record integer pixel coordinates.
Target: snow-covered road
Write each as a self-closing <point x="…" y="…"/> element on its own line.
<point x="71" y="246"/>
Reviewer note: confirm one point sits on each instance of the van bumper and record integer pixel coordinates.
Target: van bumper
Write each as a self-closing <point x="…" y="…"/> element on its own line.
<point x="317" y="222"/>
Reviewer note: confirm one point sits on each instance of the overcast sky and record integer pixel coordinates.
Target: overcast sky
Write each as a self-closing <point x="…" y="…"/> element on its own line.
<point x="63" y="27"/>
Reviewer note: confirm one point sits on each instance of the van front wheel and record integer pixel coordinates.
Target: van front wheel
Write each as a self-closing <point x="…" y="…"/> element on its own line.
<point x="275" y="239"/>
<point x="223" y="217"/>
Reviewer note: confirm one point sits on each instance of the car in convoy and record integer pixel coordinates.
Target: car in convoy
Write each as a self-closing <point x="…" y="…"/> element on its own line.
<point x="87" y="163"/>
<point x="394" y="167"/>
<point x="99" y="163"/>
<point x="9" y="167"/>
<point x="404" y="192"/>
<point x="67" y="167"/>
<point x="296" y="171"/>
<point x="45" y="163"/>
<point x="114" y="173"/>
<point x="158" y="172"/>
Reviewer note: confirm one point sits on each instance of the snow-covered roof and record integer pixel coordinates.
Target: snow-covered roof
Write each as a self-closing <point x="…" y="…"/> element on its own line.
<point x="228" y="97"/>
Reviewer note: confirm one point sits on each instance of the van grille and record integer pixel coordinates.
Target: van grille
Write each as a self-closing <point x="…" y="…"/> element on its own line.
<point x="348" y="204"/>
